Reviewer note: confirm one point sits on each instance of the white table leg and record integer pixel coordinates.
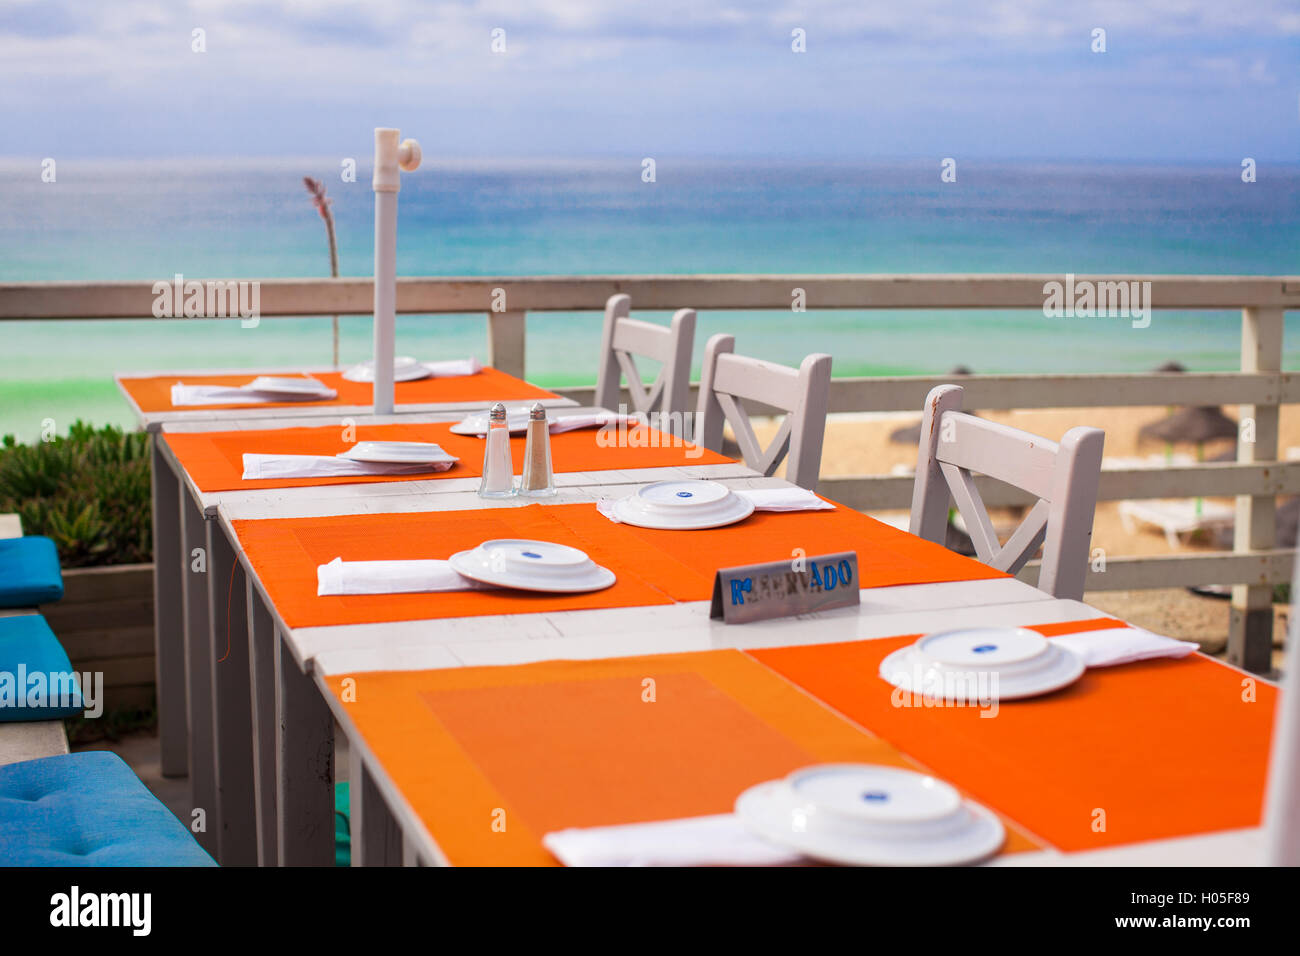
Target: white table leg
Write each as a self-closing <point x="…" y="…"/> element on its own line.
<point x="376" y="837"/>
<point x="305" y="767"/>
<point x="261" y="669"/>
<point x="236" y="822"/>
<point x="198" y="664"/>
<point x="410" y="856"/>
<point x="169" y="568"/>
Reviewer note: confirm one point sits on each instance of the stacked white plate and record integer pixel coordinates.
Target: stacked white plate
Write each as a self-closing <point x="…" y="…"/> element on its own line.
<point x="532" y="566"/>
<point x="399" y="452"/>
<point x="683" y="506"/>
<point x="869" y="815"/>
<point x="294" y="386"/>
<point x="405" y="369"/>
<point x="1001" y="662"/>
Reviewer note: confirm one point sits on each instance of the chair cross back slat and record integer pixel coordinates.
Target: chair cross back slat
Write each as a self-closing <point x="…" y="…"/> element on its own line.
<point x="727" y="380"/>
<point x="1064" y="477"/>
<point x="623" y="339"/>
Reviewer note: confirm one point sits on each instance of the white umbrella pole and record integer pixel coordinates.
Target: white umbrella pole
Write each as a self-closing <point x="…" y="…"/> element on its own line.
<point x="389" y="158"/>
<point x="1282" y="802"/>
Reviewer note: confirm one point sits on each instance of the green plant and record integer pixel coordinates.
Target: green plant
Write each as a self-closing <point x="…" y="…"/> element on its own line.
<point x="88" y="491"/>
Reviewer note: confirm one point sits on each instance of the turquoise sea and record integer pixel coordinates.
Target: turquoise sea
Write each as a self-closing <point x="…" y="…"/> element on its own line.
<point x="253" y="219"/>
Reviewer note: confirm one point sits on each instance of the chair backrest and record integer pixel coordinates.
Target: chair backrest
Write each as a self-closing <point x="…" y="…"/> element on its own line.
<point x="1063" y="477"/>
<point x="623" y="339"/>
<point x="727" y="380"/>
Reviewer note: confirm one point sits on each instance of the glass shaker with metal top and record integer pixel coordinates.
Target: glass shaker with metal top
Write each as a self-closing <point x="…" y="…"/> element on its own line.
<point x="498" y="469"/>
<point x="537" y="480"/>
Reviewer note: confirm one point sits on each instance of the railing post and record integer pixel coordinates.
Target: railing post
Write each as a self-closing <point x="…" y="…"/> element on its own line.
<point x="506" y="342"/>
<point x="1250" y="625"/>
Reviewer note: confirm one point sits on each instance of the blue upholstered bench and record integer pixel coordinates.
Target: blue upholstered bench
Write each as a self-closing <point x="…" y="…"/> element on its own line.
<point x="29" y="572"/>
<point x="87" y="809"/>
<point x="28" y="649"/>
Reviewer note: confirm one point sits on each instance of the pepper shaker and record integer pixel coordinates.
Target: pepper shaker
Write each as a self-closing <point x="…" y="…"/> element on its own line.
<point x="498" y="469"/>
<point x="537" y="480"/>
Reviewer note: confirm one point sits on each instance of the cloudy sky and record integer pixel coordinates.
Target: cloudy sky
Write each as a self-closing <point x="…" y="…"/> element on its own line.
<point x="1180" y="81"/>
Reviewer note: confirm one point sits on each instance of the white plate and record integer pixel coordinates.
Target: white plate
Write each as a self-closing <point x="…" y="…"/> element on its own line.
<point x="987" y="663"/>
<point x="532" y="566"/>
<point x="477" y="424"/>
<point x="869" y="815"/>
<point x="400" y="452"/>
<point x="289" y="385"/>
<point x="683" y="506"/>
<point x="405" y="369"/>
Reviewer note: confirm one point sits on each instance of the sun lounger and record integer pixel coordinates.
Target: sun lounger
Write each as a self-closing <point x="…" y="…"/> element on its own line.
<point x="1176" y="516"/>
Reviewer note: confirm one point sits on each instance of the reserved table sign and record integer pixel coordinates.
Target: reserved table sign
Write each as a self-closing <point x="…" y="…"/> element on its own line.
<point x="757" y="592"/>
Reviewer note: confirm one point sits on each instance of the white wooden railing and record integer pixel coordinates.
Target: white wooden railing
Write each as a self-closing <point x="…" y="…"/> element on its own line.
<point x="1259" y="387"/>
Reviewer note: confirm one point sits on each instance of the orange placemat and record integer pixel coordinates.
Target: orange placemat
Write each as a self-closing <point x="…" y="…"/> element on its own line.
<point x="685" y="562"/>
<point x="154" y="393"/>
<point x="653" y="567"/>
<point x="1150" y="750"/>
<point x="493" y="758"/>
<point x="214" y="460"/>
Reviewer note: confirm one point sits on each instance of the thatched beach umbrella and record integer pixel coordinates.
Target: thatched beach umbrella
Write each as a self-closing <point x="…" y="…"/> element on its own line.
<point x="1194" y="425"/>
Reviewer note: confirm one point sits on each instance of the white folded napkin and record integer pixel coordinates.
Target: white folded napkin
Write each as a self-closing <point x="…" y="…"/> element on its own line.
<point x="572" y="422"/>
<point x="517" y="420"/>
<point x="391" y="577"/>
<point x="183" y="394"/>
<point x="454" y="367"/>
<point x="694" y="841"/>
<point x="785" y="499"/>
<point x="1122" y="645"/>
<point x="764" y="499"/>
<point x="328" y="466"/>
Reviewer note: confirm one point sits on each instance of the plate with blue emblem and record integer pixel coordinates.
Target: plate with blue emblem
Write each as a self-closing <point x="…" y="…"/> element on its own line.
<point x="982" y="665"/>
<point x="532" y="566"/>
<point x="683" y="506"/>
<point x="871" y="815"/>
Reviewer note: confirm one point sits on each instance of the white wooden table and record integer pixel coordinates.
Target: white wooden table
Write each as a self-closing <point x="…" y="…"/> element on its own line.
<point x="273" y="803"/>
<point x="293" y="721"/>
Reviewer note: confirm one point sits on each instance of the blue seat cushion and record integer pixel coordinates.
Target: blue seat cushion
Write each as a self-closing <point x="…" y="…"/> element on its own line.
<point x="87" y="809"/>
<point x="29" y="572"/>
<point x="36" y="678"/>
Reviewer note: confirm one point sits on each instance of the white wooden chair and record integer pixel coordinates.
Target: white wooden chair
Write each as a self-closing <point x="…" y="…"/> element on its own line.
<point x="727" y="380"/>
<point x="1064" y="478"/>
<point x="623" y="339"/>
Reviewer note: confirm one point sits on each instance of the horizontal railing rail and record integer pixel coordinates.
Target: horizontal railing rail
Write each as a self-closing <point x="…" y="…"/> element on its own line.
<point x="355" y="296"/>
<point x="1259" y="388"/>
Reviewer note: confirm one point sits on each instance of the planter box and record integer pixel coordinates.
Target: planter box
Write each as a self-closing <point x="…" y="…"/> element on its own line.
<point x="105" y="623"/>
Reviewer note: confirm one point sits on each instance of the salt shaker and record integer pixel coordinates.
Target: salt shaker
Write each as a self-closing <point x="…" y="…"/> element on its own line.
<point x="538" y="480"/>
<point x="498" y="469"/>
